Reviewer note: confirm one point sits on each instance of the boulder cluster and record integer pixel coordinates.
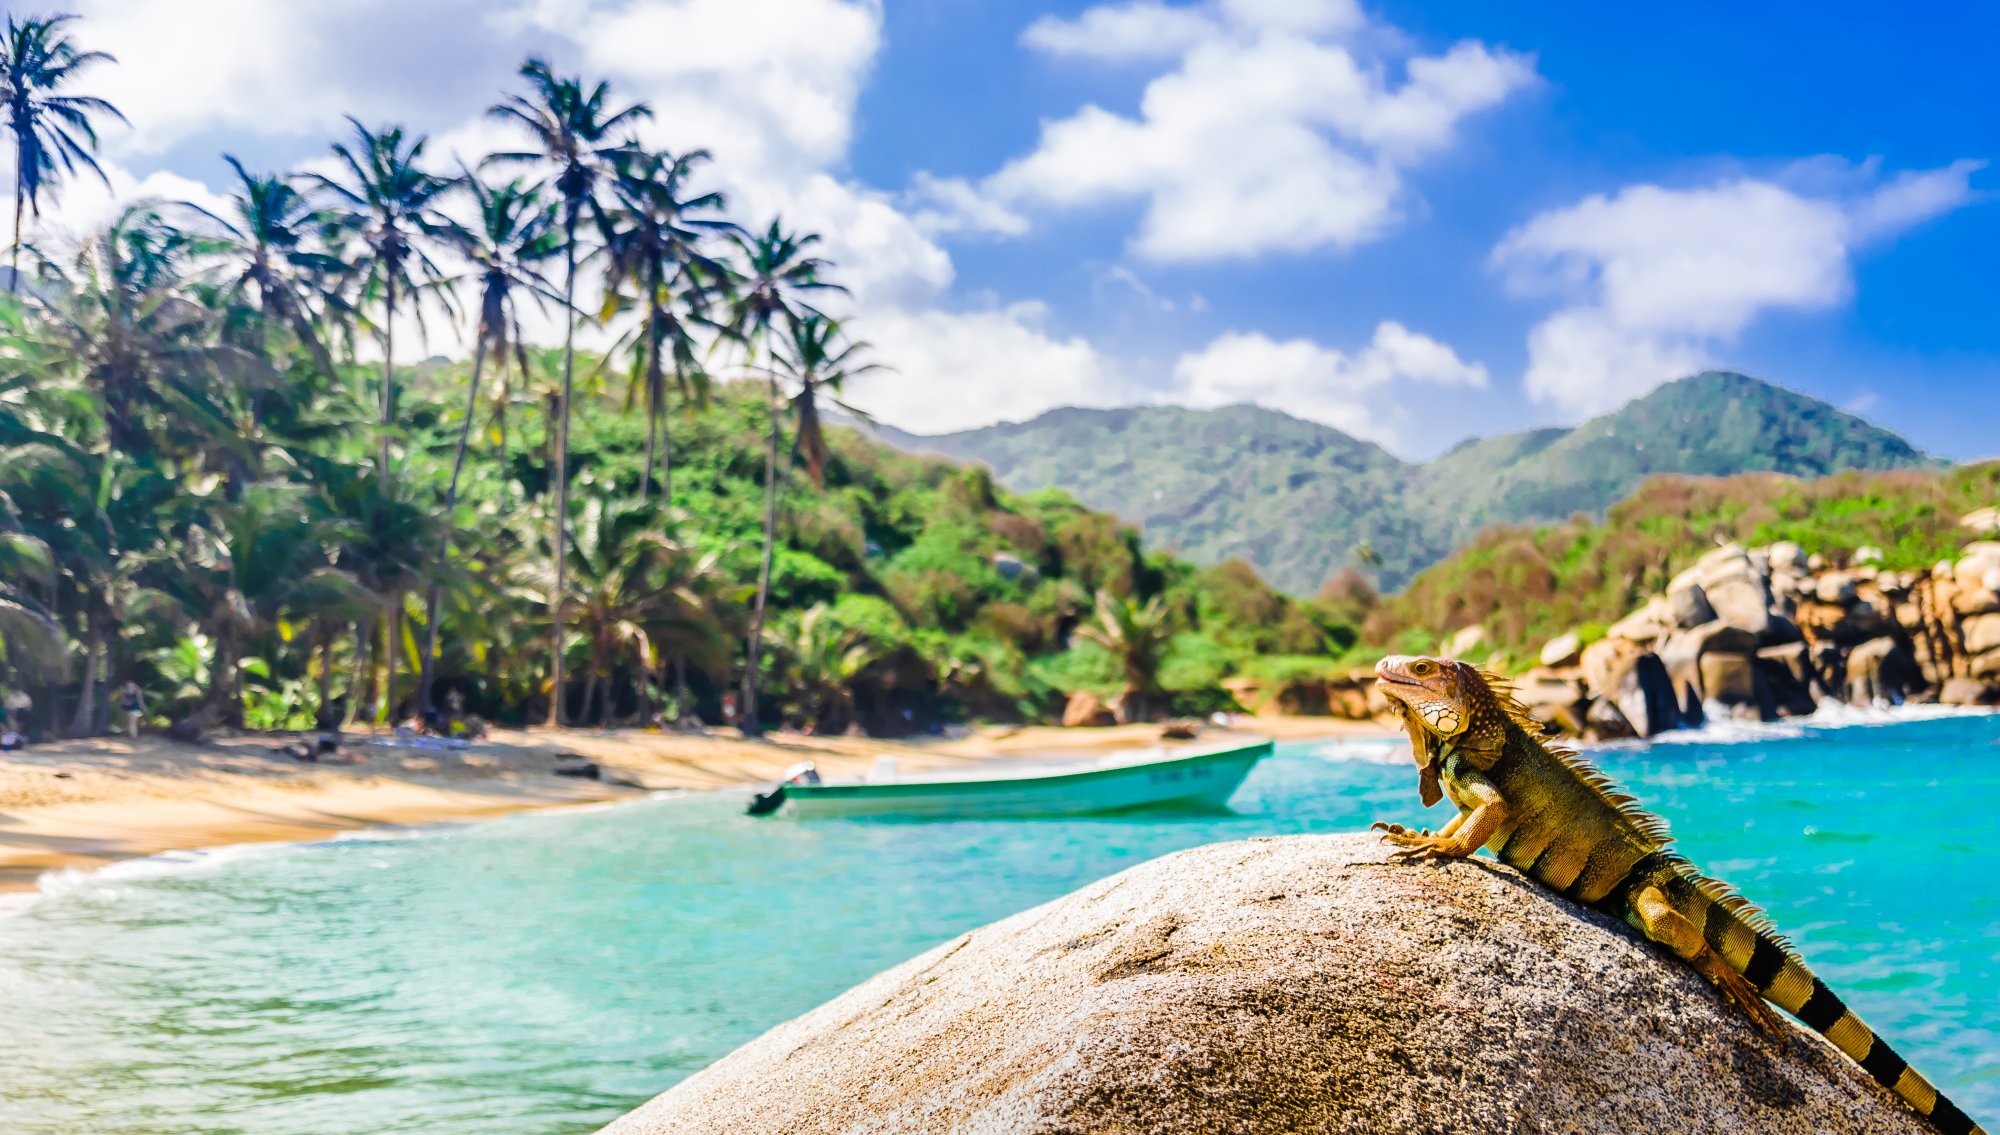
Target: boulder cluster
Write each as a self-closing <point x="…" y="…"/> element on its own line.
<point x="1753" y="633"/>
<point x="1771" y="632"/>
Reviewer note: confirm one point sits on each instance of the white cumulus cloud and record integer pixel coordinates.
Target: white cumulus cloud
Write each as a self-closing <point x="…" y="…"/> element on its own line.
<point x="1308" y="380"/>
<point x="955" y="370"/>
<point x="1143" y="30"/>
<point x="1657" y="280"/>
<point x="1270" y="131"/>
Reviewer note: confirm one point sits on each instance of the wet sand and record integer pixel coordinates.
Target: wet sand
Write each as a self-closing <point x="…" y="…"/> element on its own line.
<point x="83" y="804"/>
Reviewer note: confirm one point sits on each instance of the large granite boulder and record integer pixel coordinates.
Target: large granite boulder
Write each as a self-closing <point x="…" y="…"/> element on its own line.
<point x="1881" y="672"/>
<point x="1563" y="650"/>
<point x="1970" y="691"/>
<point x="1302" y="984"/>
<point x="1982" y="633"/>
<point x="1689" y="601"/>
<point x="1086" y="710"/>
<point x="1653" y="619"/>
<point x="1742" y="603"/>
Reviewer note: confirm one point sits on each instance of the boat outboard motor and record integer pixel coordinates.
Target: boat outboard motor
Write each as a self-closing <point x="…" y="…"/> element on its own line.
<point x="767" y="802"/>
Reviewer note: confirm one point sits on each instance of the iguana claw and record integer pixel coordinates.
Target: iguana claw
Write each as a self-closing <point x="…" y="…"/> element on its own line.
<point x="1400" y="835"/>
<point x="1417" y="849"/>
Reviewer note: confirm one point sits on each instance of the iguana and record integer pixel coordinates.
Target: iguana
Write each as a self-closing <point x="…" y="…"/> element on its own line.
<point x="1545" y="810"/>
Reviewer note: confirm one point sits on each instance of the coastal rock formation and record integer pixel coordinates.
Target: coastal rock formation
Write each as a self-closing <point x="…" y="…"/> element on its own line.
<point x="1280" y="985"/>
<point x="1763" y="633"/>
<point x="1086" y="710"/>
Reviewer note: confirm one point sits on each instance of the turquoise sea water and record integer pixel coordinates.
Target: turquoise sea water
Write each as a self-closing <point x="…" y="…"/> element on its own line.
<point x="541" y="974"/>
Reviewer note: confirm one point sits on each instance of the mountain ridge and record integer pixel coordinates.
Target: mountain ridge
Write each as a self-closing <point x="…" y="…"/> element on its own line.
<point x="1299" y="499"/>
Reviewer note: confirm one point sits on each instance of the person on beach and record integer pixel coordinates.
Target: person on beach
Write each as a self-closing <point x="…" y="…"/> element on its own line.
<point x="134" y="704"/>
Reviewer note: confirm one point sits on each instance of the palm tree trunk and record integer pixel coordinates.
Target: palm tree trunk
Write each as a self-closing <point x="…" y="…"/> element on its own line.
<point x="652" y="447"/>
<point x="657" y="386"/>
<point x="392" y="623"/>
<point x="424" y="702"/>
<point x="14" y="258"/>
<point x="666" y="458"/>
<point x="325" y="672"/>
<point x="358" y="682"/>
<point x="86" y="707"/>
<point x="222" y="679"/>
<point x="645" y="679"/>
<point x="388" y="374"/>
<point x="562" y="474"/>
<point x="748" y="718"/>
<point x="681" y="686"/>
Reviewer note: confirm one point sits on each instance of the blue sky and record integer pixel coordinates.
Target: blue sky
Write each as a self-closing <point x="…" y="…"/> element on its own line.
<point x="1413" y="221"/>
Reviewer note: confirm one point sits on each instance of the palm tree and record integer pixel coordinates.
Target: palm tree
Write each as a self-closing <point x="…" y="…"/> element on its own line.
<point x="391" y="544"/>
<point x="391" y="204"/>
<point x="28" y="632"/>
<point x="825" y="659"/>
<point x="653" y="236"/>
<point x="240" y="568"/>
<point x="771" y="285"/>
<point x="148" y="352"/>
<point x="66" y="492"/>
<point x="53" y="133"/>
<point x="513" y="233"/>
<point x="270" y="231"/>
<point x="1137" y="636"/>
<point x="631" y="600"/>
<point x="815" y="360"/>
<point x="569" y="125"/>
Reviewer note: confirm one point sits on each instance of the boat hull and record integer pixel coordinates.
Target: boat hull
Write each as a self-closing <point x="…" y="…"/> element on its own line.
<point x="1201" y="780"/>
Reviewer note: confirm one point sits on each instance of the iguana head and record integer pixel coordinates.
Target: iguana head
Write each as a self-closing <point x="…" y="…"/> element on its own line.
<point x="1439" y="700"/>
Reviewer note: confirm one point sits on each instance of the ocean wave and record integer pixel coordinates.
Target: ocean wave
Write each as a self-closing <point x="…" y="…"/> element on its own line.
<point x="64" y="881"/>
<point x="14" y="902"/>
<point x="1721" y="729"/>
<point x="1373" y="750"/>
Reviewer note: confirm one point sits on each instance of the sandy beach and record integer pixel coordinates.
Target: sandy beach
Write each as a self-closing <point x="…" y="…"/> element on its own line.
<point x="84" y="803"/>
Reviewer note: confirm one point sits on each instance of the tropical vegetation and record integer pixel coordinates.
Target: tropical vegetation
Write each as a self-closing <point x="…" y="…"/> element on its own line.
<point x="221" y="480"/>
<point x="1526" y="584"/>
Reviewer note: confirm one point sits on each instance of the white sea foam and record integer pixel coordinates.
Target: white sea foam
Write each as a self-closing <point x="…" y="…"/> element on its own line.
<point x="1373" y="750"/>
<point x="66" y="881"/>
<point x="165" y="864"/>
<point x="1722" y="729"/>
<point x="14" y="902"/>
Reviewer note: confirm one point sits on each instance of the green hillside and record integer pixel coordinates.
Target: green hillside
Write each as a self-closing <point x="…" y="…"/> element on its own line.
<point x="1236" y="482"/>
<point x="1527" y="584"/>
<point x="1712" y="424"/>
<point x="1300" y="500"/>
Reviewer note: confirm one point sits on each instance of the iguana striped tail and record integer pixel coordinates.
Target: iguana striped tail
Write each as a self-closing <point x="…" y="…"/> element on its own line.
<point x="1744" y="938"/>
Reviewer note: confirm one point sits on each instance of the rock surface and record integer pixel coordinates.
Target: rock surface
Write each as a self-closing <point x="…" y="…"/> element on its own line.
<point x="1302" y="984"/>
<point x="1085" y="710"/>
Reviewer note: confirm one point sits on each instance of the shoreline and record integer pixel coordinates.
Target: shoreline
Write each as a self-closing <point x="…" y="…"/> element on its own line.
<point x="85" y="804"/>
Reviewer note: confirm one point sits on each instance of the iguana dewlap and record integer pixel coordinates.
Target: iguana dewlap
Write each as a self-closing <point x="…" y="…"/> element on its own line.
<point x="1548" y="812"/>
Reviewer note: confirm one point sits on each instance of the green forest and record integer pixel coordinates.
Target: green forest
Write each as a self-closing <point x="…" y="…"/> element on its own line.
<point x="215" y="485"/>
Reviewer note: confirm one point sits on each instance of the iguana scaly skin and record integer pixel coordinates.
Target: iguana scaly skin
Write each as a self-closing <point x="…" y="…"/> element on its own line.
<point x="1548" y="812"/>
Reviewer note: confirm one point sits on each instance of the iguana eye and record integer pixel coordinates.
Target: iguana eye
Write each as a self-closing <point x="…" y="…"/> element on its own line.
<point x="1422" y="669"/>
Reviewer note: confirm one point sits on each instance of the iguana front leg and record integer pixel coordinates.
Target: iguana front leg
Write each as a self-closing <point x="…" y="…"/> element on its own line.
<point x="1467" y="835"/>
<point x="1404" y="837"/>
